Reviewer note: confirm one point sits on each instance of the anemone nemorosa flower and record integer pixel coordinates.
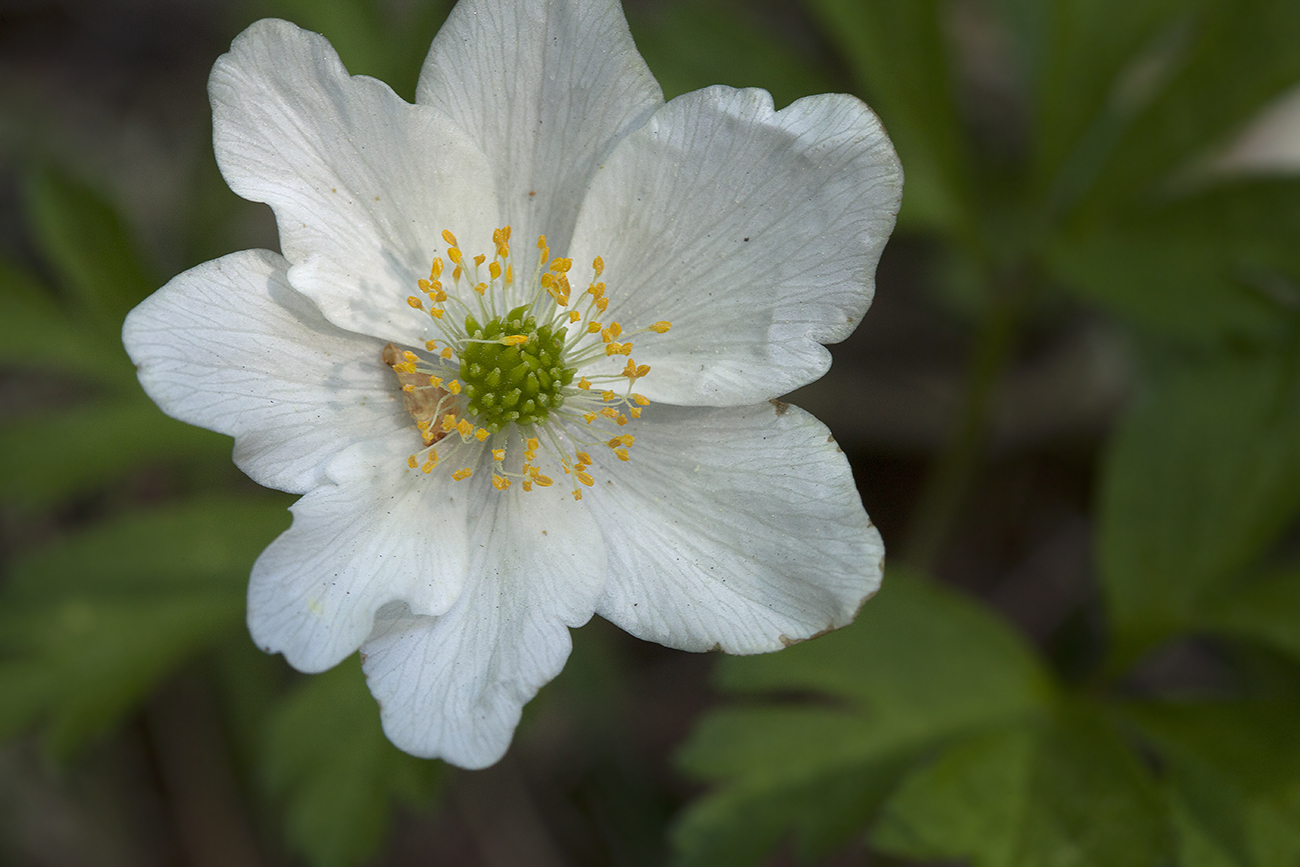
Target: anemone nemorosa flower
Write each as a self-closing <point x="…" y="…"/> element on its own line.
<point x="518" y="353"/>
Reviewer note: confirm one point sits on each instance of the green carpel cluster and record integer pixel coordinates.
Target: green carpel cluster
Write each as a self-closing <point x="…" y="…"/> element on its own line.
<point x="519" y="384"/>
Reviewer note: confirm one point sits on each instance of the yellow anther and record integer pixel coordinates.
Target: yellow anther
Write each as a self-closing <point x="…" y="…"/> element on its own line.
<point x="533" y="444"/>
<point x="515" y="339"/>
<point x="609" y="412"/>
<point x="615" y="329"/>
<point x="456" y="272"/>
<point x="528" y="485"/>
<point x="559" y="266"/>
<point x="436" y="312"/>
<point x="635" y="412"/>
<point x="412" y="462"/>
<point x="601" y="304"/>
<point x="574" y="315"/>
<point x="464" y="428"/>
<point x="428" y="467"/>
<point x="505" y="233"/>
<point x="640" y="399"/>
<point x="621" y="420"/>
<point x="641" y="369"/>
<point x="577" y="495"/>
<point x="494" y="270"/>
<point x="454" y="255"/>
<point x="448" y="423"/>
<point x="481" y="288"/>
<point x="450" y="238"/>
<point x="510" y="275"/>
<point x="596" y="290"/>
<point x="481" y="434"/>
<point x="480" y="259"/>
<point x="498" y="455"/>
<point x="661" y="327"/>
<point x="588" y="417"/>
<point x="454" y="386"/>
<point x="410" y="357"/>
<point x="622" y="454"/>
<point x="446" y="352"/>
<point x="584" y="383"/>
<point x="415" y="302"/>
<point x="621" y="440"/>
<point x="430" y="345"/>
<point x="461" y="475"/>
<point x="500" y="482"/>
<point x="544" y="481"/>
<point x="607" y="395"/>
<point x="425" y="285"/>
<point x="598" y="265"/>
<point x="585" y="478"/>
<point x="435" y="381"/>
<point x="541" y="242"/>
<point x="435" y="271"/>
<point x="584" y="457"/>
<point x="408" y="388"/>
<point x="593" y="327"/>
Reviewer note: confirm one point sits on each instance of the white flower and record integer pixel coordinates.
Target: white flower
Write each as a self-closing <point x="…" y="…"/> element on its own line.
<point x="457" y="555"/>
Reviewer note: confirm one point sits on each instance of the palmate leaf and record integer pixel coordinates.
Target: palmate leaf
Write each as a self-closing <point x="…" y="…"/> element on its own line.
<point x="1233" y="773"/>
<point x="1199" y="479"/>
<point x="88" y="627"/>
<point x="326" y="759"/>
<point x="920" y="666"/>
<point x="1053" y="791"/>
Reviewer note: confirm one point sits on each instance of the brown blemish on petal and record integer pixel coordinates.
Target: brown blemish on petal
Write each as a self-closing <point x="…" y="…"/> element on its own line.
<point x="422" y="402"/>
<point x="787" y="641"/>
<point x="781" y="406"/>
<point x="716" y="648"/>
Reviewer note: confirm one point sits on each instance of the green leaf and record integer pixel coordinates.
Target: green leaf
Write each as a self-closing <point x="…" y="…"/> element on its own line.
<point x="90" y="625"/>
<point x="37" y="334"/>
<point x="1195" y="107"/>
<point x="1090" y="68"/>
<point x="1267" y="611"/>
<point x="1200" y="478"/>
<point x="1220" y="264"/>
<point x="87" y="243"/>
<point x="690" y="45"/>
<point x="921" y="665"/>
<point x="1064" y="791"/>
<point x="328" y="761"/>
<point x="1234" y="778"/>
<point x="50" y="456"/>
<point x="896" y="49"/>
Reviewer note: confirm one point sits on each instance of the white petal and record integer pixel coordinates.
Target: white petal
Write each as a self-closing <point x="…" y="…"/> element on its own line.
<point x="453" y="686"/>
<point x="755" y="232"/>
<point x="736" y="529"/>
<point x="384" y="533"/>
<point x="362" y="183"/>
<point x="545" y="89"/>
<point x="230" y="346"/>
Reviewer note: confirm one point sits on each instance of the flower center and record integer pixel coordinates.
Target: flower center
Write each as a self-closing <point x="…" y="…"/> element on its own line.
<point x="506" y="380"/>
<point x="513" y="370"/>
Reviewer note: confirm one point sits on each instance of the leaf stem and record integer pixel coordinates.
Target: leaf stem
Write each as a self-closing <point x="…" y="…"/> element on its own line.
<point x="954" y="469"/>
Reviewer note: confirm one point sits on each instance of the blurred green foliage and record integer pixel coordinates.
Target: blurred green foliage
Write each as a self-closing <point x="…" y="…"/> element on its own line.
<point x="930" y="729"/>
